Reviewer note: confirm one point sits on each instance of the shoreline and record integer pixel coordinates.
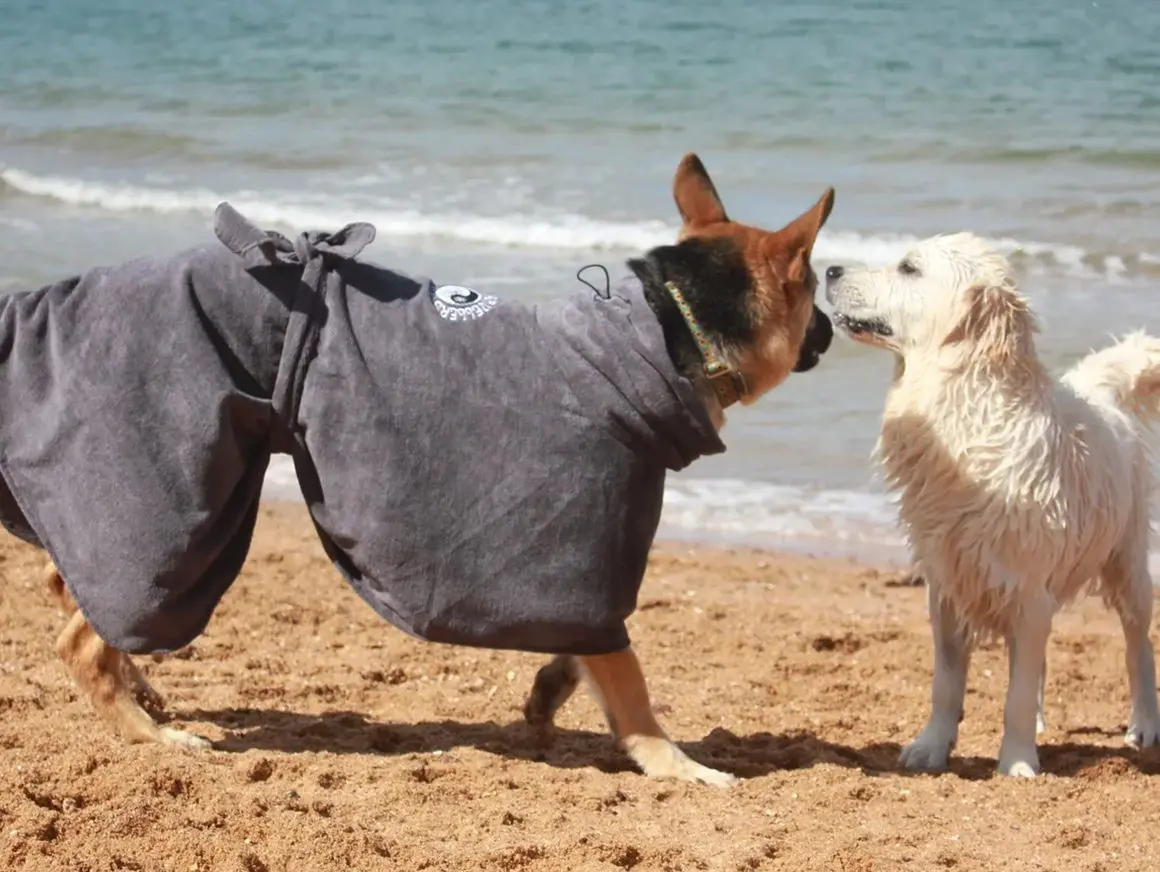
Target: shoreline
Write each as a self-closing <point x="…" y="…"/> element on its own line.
<point x="890" y="555"/>
<point x="861" y="554"/>
<point x="885" y="556"/>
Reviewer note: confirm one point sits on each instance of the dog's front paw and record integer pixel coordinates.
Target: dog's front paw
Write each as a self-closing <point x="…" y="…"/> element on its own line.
<point x="1018" y="762"/>
<point x="1143" y="734"/>
<point x="712" y="777"/>
<point x="183" y="740"/>
<point x="660" y="758"/>
<point x="929" y="752"/>
<point x="691" y="770"/>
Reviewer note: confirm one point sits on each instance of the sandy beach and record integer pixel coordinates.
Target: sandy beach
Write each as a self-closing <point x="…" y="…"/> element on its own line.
<point x="342" y="744"/>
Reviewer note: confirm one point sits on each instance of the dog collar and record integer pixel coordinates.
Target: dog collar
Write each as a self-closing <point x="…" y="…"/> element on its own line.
<point x="728" y="383"/>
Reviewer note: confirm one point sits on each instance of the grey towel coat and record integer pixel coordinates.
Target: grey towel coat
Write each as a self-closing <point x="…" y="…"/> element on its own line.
<point x="481" y="472"/>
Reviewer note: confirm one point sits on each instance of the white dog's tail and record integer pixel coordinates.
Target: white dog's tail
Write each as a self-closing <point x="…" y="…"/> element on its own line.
<point x="1125" y="375"/>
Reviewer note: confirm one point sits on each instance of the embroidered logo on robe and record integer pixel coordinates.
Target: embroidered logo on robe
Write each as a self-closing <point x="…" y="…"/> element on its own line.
<point x="456" y="303"/>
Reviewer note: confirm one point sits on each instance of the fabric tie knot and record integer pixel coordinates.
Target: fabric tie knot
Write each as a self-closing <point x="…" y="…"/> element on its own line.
<point x="259" y="247"/>
<point x="314" y="251"/>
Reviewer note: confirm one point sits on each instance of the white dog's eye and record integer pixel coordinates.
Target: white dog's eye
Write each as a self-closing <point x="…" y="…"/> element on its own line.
<point x="907" y="268"/>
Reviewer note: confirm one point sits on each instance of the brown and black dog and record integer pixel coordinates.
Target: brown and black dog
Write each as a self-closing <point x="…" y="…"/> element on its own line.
<point x="741" y="320"/>
<point x="753" y="292"/>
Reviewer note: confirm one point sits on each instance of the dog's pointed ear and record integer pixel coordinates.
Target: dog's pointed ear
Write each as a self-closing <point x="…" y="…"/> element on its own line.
<point x="795" y="241"/>
<point x="697" y="199"/>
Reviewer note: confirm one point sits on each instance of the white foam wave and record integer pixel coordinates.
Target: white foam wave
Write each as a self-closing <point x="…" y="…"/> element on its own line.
<point x="281" y="480"/>
<point x="558" y="231"/>
<point x="547" y="231"/>
<point x="883" y="249"/>
<point x="755" y="513"/>
<point x="833" y="522"/>
<point x="846" y="246"/>
<point x="12" y="222"/>
<point x="730" y="507"/>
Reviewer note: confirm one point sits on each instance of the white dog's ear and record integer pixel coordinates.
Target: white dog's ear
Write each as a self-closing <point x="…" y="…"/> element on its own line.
<point x="997" y="326"/>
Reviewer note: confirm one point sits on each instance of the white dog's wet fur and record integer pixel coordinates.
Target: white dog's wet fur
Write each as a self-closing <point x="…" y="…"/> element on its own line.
<point x="1019" y="492"/>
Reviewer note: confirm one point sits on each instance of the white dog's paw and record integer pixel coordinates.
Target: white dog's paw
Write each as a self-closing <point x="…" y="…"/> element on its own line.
<point x="1142" y="735"/>
<point x="1018" y="769"/>
<point x="1018" y="762"/>
<point x="929" y="752"/>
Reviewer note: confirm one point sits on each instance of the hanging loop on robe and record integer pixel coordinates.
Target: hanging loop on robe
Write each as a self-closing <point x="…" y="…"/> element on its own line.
<point x="315" y="252"/>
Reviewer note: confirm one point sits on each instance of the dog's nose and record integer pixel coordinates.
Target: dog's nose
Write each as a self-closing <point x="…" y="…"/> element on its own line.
<point x="833" y="273"/>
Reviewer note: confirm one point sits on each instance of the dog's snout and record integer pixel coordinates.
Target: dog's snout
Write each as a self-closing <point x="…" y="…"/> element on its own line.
<point x="823" y="330"/>
<point x="833" y="273"/>
<point x="817" y="341"/>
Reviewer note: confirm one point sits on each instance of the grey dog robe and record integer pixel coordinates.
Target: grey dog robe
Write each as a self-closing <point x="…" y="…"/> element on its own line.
<point x="482" y="473"/>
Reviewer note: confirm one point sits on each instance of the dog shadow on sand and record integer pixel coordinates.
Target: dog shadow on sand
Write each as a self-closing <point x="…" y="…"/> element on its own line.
<point x="750" y="756"/>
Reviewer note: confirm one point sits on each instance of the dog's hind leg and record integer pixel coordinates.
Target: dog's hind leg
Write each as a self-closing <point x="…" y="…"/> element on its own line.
<point x="56" y="586"/>
<point x="144" y="692"/>
<point x="618" y="683"/>
<point x="99" y="670"/>
<point x="554" y="685"/>
<point x="932" y="747"/>
<point x="1128" y="586"/>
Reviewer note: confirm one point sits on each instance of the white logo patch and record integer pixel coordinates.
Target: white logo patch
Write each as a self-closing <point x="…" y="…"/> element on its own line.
<point x="457" y="303"/>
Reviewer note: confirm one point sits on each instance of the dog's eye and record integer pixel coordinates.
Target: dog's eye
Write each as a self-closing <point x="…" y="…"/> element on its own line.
<point x="907" y="268"/>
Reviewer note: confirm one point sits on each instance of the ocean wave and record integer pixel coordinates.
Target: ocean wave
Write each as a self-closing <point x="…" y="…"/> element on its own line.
<point x="557" y="231"/>
<point x="124" y="139"/>
<point x="546" y="231"/>
<point x="1125" y="158"/>
<point x="135" y="142"/>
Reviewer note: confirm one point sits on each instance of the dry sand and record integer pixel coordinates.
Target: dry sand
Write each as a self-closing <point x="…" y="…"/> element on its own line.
<point x="343" y="744"/>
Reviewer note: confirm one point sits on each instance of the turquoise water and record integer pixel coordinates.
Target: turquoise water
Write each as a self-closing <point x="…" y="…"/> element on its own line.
<point x="507" y="143"/>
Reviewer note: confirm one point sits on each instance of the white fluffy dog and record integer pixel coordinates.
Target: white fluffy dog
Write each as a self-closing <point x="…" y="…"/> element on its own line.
<point x="1019" y="493"/>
